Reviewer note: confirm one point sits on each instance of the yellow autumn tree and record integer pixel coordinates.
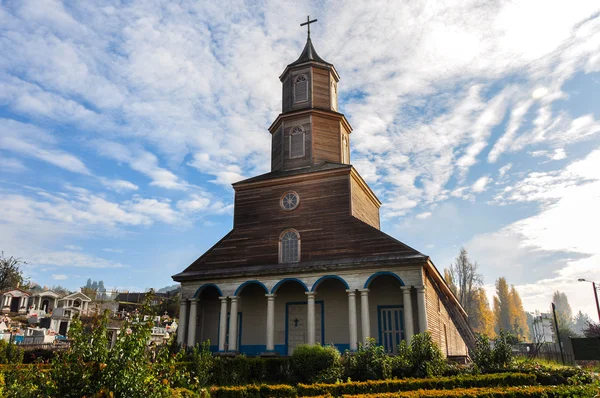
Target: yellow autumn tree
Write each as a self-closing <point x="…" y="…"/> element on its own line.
<point x="517" y="315"/>
<point x="482" y="318"/>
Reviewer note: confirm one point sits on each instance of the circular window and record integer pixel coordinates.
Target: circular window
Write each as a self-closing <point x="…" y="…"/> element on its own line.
<point x="290" y="201"/>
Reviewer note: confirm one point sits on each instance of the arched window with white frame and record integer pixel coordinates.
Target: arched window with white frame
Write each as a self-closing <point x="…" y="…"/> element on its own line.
<point x="300" y="88"/>
<point x="297" y="145"/>
<point x="289" y="246"/>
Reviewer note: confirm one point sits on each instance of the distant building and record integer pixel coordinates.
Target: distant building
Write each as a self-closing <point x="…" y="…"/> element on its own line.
<point x="543" y="328"/>
<point x="15" y="300"/>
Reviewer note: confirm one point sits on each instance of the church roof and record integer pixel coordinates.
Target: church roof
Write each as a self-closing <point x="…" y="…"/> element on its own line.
<point x="309" y="54"/>
<point x="325" y="166"/>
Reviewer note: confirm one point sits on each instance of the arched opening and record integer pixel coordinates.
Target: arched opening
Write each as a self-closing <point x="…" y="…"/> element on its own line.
<point x="77" y="303"/>
<point x="331" y="291"/>
<point x="45" y="305"/>
<point x="386" y="309"/>
<point x="252" y="318"/>
<point x="291" y="315"/>
<point x="207" y="316"/>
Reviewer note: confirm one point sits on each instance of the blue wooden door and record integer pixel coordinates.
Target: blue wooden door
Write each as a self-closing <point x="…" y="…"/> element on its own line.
<point x="391" y="328"/>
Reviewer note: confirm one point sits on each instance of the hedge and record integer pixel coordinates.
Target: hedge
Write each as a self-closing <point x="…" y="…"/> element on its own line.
<point x="497" y="392"/>
<point x="388" y="386"/>
<point x="254" y="391"/>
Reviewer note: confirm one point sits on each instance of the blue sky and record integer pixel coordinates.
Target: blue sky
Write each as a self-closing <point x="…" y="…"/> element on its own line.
<point x="123" y="124"/>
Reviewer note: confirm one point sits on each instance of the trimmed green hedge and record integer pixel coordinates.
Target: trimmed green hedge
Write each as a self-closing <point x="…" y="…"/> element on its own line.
<point x="390" y="386"/>
<point x="254" y="391"/>
<point x="497" y="392"/>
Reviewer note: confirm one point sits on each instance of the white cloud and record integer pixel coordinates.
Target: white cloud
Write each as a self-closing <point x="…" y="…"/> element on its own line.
<point x="118" y="185"/>
<point x="424" y="215"/>
<point x="30" y="140"/>
<point x="60" y="277"/>
<point x="11" y="165"/>
<point x="480" y="185"/>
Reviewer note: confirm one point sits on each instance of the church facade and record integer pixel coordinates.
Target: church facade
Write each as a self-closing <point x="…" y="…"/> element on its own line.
<point x="306" y="261"/>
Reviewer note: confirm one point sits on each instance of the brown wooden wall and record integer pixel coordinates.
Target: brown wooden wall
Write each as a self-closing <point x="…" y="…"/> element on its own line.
<point x="363" y="206"/>
<point x="321" y="89"/>
<point x="437" y="317"/>
<point x="326" y="137"/>
<point x="277" y="150"/>
<point x="323" y="219"/>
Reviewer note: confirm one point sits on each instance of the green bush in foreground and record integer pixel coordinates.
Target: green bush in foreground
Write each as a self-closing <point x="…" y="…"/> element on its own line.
<point x="316" y="363"/>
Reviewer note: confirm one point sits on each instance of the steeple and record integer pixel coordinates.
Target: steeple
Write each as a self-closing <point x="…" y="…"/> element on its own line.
<point x="309" y="54"/>
<point x="310" y="130"/>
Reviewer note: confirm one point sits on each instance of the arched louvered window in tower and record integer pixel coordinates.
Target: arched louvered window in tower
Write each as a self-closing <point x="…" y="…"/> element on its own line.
<point x="289" y="246"/>
<point x="297" y="147"/>
<point x="300" y="88"/>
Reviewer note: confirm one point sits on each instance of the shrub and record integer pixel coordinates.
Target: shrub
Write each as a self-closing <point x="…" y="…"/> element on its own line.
<point x="425" y="356"/>
<point x="502" y="353"/>
<point x="370" y="362"/>
<point x="10" y="353"/>
<point x="387" y="386"/>
<point x="203" y="363"/>
<point x="401" y="363"/>
<point x="254" y="391"/>
<point x="315" y="363"/>
<point x="483" y="356"/>
<point x="231" y="371"/>
<point x="497" y="392"/>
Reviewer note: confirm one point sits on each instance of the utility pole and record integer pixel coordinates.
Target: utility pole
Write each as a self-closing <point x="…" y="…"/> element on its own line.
<point x="562" y="355"/>
<point x="596" y="295"/>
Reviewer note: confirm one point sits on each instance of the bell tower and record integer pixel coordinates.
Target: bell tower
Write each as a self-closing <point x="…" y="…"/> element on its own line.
<point x="310" y="130"/>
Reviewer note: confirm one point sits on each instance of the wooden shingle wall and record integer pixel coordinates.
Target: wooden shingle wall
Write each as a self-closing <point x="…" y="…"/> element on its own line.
<point x="321" y="89"/>
<point x="327" y="145"/>
<point x="363" y="206"/>
<point x="442" y="327"/>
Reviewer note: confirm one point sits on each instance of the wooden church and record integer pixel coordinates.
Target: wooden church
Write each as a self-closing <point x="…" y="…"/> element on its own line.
<point x="306" y="261"/>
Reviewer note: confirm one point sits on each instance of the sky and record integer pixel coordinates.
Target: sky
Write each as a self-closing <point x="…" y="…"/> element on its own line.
<point x="123" y="125"/>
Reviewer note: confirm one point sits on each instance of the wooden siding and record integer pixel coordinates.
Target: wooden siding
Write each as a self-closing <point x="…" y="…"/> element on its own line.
<point x="321" y="89"/>
<point x="326" y="139"/>
<point x="327" y="230"/>
<point x="438" y="316"/>
<point x="277" y="150"/>
<point x="346" y="132"/>
<point x="363" y="207"/>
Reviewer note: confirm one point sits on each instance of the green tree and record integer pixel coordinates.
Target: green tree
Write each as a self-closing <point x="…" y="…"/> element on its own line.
<point x="11" y="275"/>
<point x="580" y="322"/>
<point x="564" y="313"/>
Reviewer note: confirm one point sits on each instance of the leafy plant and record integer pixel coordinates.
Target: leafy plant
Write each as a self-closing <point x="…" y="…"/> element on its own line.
<point x="316" y="363"/>
<point x="370" y="362"/>
<point x="425" y="356"/>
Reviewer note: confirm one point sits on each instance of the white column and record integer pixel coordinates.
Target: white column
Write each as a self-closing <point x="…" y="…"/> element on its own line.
<point x="421" y="304"/>
<point x="233" y="326"/>
<point x="192" y="322"/>
<point x="55" y="304"/>
<point x="182" y="328"/>
<point x="223" y="324"/>
<point x="409" y="326"/>
<point x="270" y="322"/>
<point x="352" y="327"/>
<point x="364" y="315"/>
<point x="310" y="318"/>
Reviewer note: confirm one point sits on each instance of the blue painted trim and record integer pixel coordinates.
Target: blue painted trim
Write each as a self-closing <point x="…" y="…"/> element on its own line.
<point x="375" y="275"/>
<point x="287" y="319"/>
<point x="329" y="277"/>
<point x="379" y="308"/>
<point x="342" y="347"/>
<point x="201" y="288"/>
<point x="287" y="280"/>
<point x="239" y="289"/>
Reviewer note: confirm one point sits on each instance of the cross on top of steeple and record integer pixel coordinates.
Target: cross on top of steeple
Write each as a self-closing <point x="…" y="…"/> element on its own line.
<point x="307" y="23"/>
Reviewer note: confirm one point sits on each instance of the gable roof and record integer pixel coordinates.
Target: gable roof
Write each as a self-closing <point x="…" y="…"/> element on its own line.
<point x="76" y="295"/>
<point x="365" y="246"/>
<point x="23" y="292"/>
